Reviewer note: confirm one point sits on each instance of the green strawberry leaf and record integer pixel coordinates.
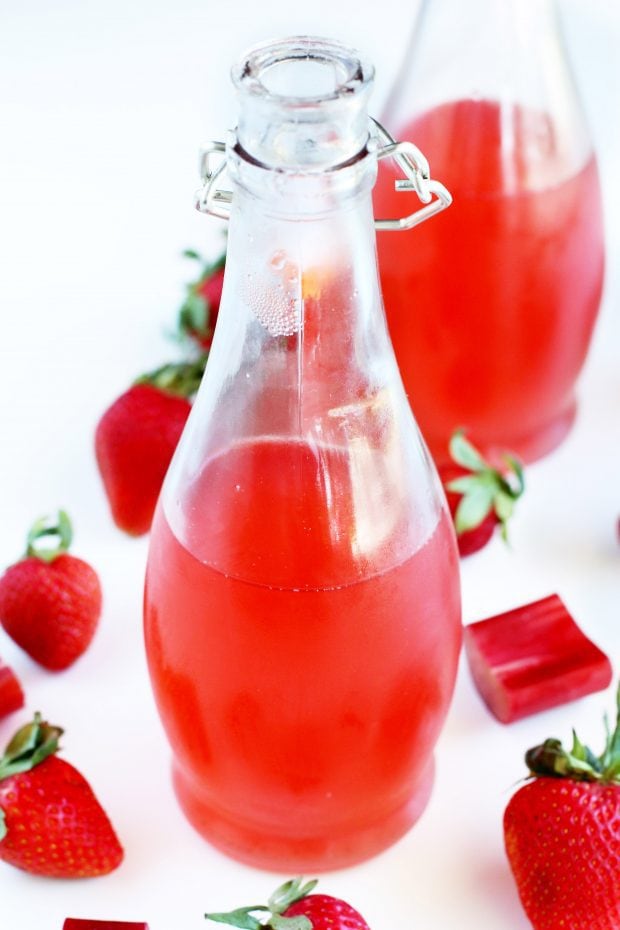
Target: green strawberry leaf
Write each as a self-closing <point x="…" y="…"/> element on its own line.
<point x="463" y="453"/>
<point x="291" y="891"/>
<point x="286" y="894"/>
<point x="516" y="473"/>
<point x="192" y="253"/>
<point x="464" y="484"/>
<point x="473" y="508"/>
<point x="194" y="314"/>
<point x="484" y="488"/>
<point x="181" y="378"/>
<point x="504" y="505"/>
<point x="241" y="917"/>
<point x="3" y="829"/>
<point x="299" y="922"/>
<point x="580" y="764"/>
<point x="32" y="743"/>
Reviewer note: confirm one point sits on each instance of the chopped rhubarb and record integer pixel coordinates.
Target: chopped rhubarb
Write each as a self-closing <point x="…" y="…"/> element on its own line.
<point x="77" y="923"/>
<point x="11" y="694"/>
<point x="532" y="658"/>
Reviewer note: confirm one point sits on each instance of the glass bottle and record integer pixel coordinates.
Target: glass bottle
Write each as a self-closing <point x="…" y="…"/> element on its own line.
<point x="302" y="613"/>
<point x="491" y="308"/>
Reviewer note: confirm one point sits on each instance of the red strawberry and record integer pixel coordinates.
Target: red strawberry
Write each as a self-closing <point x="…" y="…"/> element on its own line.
<point x="327" y="913"/>
<point x="11" y="694"/>
<point x="50" y="602"/>
<point x="562" y="836"/>
<point x="292" y="907"/>
<point x="136" y="438"/>
<point x="50" y="821"/>
<point x="479" y="496"/>
<point x="198" y="314"/>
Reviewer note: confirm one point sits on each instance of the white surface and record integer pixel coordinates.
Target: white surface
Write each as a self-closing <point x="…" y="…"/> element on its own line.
<point x="103" y="107"/>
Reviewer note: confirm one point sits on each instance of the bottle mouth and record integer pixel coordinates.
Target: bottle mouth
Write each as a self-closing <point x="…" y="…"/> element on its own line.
<point x="303" y="71"/>
<point x="303" y="103"/>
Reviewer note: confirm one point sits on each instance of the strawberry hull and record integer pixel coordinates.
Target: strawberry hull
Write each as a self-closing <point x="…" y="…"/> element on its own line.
<point x="533" y="658"/>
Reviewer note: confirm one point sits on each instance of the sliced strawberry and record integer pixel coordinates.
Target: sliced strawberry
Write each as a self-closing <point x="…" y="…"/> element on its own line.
<point x="11" y="694"/>
<point x="480" y="497"/>
<point x="532" y="658"/>
<point x="79" y="923"/>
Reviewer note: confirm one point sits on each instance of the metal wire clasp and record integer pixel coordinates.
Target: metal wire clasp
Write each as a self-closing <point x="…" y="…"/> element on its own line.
<point x="210" y="199"/>
<point x="417" y="178"/>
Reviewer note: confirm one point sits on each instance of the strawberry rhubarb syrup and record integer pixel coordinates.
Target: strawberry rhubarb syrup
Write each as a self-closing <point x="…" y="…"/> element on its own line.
<point x="302" y="713"/>
<point x="491" y="305"/>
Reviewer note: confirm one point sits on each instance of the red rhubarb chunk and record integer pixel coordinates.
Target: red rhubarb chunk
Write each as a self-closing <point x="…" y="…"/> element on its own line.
<point x="11" y="694"/>
<point x="532" y="658"/>
<point x="77" y="923"/>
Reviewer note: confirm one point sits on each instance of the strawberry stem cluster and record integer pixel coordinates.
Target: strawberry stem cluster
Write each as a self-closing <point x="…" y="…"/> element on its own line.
<point x="579" y="763"/>
<point x="486" y="489"/>
<point x="272" y="914"/>
<point x="32" y="743"/>
<point x="181" y="378"/>
<point x="195" y="315"/>
<point x="58" y="527"/>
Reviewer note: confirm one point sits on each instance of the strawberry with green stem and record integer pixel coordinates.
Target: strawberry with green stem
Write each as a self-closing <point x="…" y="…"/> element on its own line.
<point x="562" y="835"/>
<point x="50" y="601"/>
<point x="480" y="497"/>
<point x="199" y="311"/>
<point x="293" y="907"/>
<point x="136" y="437"/>
<point x="51" y="823"/>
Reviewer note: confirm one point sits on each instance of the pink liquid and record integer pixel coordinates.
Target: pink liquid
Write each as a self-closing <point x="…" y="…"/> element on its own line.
<point x="491" y="305"/>
<point x="302" y="712"/>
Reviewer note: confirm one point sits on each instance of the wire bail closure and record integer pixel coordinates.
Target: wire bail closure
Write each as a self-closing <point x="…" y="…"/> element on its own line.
<point x="409" y="158"/>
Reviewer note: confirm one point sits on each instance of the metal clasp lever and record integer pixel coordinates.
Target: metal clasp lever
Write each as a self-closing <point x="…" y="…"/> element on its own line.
<point x="208" y="198"/>
<point x="416" y="169"/>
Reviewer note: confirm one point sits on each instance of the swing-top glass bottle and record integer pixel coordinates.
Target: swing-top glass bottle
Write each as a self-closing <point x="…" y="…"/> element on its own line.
<point x="302" y="612"/>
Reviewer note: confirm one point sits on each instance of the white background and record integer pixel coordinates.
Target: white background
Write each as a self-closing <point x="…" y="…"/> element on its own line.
<point x="103" y="105"/>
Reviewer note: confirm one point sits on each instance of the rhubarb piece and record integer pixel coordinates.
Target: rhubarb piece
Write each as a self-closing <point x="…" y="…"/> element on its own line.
<point x="532" y="658"/>
<point x="77" y="923"/>
<point x="11" y="694"/>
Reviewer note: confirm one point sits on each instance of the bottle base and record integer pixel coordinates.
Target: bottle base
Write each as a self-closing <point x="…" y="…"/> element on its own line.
<point x="528" y="447"/>
<point x="288" y="853"/>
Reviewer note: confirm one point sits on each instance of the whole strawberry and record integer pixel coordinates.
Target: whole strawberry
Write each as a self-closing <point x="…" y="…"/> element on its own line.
<point x="199" y="311"/>
<point x="136" y="438"/>
<point x="50" y="601"/>
<point x="562" y="836"/>
<point x="480" y="497"/>
<point x="292" y="907"/>
<point x="51" y="823"/>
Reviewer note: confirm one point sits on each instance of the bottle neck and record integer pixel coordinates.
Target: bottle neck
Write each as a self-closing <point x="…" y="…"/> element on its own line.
<point x="510" y="56"/>
<point x="483" y="49"/>
<point x="303" y="104"/>
<point x="298" y="193"/>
